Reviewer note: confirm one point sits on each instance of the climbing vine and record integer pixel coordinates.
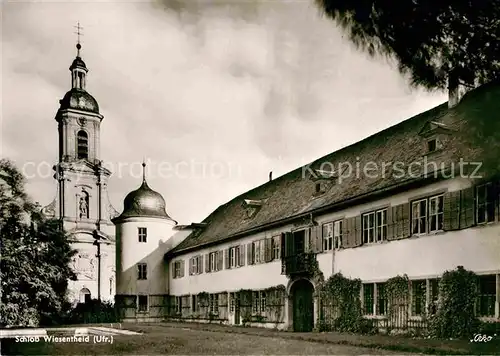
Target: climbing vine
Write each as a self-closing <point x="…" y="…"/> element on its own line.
<point x="398" y="288"/>
<point x="455" y="317"/>
<point x="342" y="297"/>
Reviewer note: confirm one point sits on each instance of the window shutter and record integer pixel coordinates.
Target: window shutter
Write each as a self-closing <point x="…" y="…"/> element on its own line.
<point x="390" y="224"/>
<point x="250" y="260"/>
<point x="350" y="235"/>
<point x="358" y="238"/>
<point x="282" y="245"/>
<point x="316" y="240"/>
<point x="242" y="255"/>
<point x="405" y="220"/>
<point x="467" y="208"/>
<point x="269" y="249"/>
<point x="395" y="230"/>
<point x="307" y="240"/>
<point x="200" y="264"/>
<point x="207" y="263"/>
<point x="262" y="250"/>
<point x="220" y="260"/>
<point x="344" y="233"/>
<point x="173" y="269"/>
<point x="226" y="258"/>
<point x="182" y="268"/>
<point x="289" y="244"/>
<point x="191" y="268"/>
<point x="451" y="211"/>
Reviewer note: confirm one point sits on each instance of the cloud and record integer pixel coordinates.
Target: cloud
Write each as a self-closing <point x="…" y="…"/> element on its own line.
<point x="257" y="86"/>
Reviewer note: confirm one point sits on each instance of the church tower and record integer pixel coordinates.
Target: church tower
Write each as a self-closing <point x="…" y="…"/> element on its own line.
<point x="82" y="202"/>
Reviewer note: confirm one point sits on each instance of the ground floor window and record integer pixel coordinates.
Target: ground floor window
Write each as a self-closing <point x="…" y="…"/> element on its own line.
<point x="382" y="304"/>
<point x="418" y="297"/>
<point x="259" y="302"/>
<point x="195" y="305"/>
<point x="487" y="294"/>
<point x="213" y="301"/>
<point x="142" y="303"/>
<point x="368" y="296"/>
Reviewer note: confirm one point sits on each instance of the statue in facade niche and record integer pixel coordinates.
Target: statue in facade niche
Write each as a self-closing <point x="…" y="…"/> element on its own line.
<point x="84" y="207"/>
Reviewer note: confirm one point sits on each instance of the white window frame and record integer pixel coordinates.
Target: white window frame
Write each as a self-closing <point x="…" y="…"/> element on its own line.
<point x="178" y="305"/>
<point x="327" y="232"/>
<point x="234" y="257"/>
<point x="427" y="216"/>
<point x="373" y="228"/>
<point x="212" y="258"/>
<point x="177" y="269"/>
<point x="276" y="247"/>
<point x="142" y="271"/>
<point x="337" y="234"/>
<point x="142" y="234"/>
<point x="436" y="214"/>
<point x="194" y="265"/>
<point x="484" y="202"/>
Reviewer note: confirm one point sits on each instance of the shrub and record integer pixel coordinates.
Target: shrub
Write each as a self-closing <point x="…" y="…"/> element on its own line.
<point x="94" y="311"/>
<point x="455" y="317"/>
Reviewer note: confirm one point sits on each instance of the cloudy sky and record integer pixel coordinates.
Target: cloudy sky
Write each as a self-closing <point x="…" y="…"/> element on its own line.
<point x="214" y="93"/>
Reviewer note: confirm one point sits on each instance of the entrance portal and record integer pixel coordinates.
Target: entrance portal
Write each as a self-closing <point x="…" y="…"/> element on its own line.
<point x="303" y="306"/>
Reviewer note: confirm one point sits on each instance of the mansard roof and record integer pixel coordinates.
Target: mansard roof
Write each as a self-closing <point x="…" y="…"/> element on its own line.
<point x="292" y="196"/>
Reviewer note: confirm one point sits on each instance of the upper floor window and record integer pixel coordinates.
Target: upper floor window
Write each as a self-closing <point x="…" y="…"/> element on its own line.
<point x="374" y="226"/>
<point x="276" y="245"/>
<point x="332" y="235"/>
<point x="83" y="145"/>
<point x="196" y="265"/>
<point x="234" y="257"/>
<point x="485" y="207"/>
<point x="142" y="233"/>
<point x="178" y="269"/>
<point x="142" y="271"/>
<point x="215" y="261"/>
<point x="427" y="215"/>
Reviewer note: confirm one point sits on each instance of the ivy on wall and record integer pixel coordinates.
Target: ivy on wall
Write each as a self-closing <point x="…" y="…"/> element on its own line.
<point x="455" y="317"/>
<point x="341" y="295"/>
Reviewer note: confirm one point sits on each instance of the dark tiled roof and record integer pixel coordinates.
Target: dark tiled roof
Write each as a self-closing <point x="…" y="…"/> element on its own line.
<point x="293" y="194"/>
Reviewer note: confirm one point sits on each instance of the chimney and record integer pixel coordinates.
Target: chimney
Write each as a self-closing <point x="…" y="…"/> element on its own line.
<point x="271" y="176"/>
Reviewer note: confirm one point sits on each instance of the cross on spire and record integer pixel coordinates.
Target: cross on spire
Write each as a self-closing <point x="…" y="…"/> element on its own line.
<point x="78" y="33"/>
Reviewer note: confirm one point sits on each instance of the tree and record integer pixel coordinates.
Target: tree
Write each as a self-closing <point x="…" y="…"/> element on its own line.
<point x="35" y="257"/>
<point x="431" y="40"/>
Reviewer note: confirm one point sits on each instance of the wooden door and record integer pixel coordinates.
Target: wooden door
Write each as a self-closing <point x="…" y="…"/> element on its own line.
<point x="303" y="306"/>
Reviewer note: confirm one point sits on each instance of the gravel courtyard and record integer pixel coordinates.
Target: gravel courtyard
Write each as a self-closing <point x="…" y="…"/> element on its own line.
<point x="185" y="341"/>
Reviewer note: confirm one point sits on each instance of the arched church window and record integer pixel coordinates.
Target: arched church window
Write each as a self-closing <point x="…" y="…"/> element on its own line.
<point x="84" y="205"/>
<point x="85" y="296"/>
<point x="83" y="145"/>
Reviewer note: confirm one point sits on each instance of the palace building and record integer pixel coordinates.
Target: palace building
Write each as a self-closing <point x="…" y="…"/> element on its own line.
<point x="416" y="199"/>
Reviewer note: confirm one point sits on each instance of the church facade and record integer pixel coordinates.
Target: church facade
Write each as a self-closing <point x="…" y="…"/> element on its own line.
<point x="414" y="200"/>
<point x="81" y="200"/>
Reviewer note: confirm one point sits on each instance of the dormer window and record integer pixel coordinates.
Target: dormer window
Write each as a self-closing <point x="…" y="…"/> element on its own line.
<point x="432" y="145"/>
<point x="252" y="207"/>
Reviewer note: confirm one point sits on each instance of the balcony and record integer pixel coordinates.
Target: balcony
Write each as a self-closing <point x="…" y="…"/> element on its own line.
<point x="300" y="264"/>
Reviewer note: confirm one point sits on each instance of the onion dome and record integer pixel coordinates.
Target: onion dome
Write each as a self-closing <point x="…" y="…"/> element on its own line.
<point x="79" y="99"/>
<point x="144" y="202"/>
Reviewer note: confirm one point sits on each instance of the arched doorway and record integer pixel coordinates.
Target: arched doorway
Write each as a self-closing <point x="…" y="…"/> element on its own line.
<point x="302" y="305"/>
<point x="85" y="296"/>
